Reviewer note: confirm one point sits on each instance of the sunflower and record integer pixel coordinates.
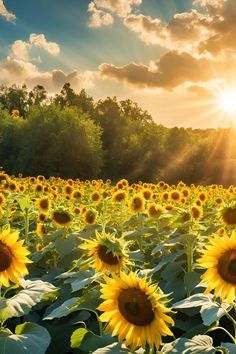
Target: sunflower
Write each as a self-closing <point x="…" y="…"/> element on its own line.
<point x="40" y="230"/>
<point x="2" y="199"/>
<point x="219" y="258"/>
<point x="107" y="253"/>
<point x="137" y="203"/>
<point x="61" y="217"/>
<point x="229" y="215"/>
<point x="134" y="310"/>
<point x="147" y="193"/>
<point x="39" y="247"/>
<point x="175" y="195"/>
<point x="89" y="216"/>
<point x="12" y="257"/>
<point x="196" y="212"/>
<point x="42" y="203"/>
<point x="154" y="210"/>
<point x="119" y="196"/>
<point x="95" y="197"/>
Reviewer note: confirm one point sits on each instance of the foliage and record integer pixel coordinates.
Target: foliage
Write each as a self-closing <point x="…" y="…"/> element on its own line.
<point x="81" y="138"/>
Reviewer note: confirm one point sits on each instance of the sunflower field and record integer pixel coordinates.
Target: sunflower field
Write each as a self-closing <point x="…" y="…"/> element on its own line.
<point x="97" y="267"/>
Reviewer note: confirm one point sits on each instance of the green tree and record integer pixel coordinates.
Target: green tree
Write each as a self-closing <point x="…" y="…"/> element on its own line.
<point x="37" y="96"/>
<point x="64" y="143"/>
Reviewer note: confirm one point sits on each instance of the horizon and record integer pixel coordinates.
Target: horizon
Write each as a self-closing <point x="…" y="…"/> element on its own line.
<point x="172" y="59"/>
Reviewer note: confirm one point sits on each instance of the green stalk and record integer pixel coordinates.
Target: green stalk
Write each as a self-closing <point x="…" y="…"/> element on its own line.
<point x="26" y="226"/>
<point x="189" y="252"/>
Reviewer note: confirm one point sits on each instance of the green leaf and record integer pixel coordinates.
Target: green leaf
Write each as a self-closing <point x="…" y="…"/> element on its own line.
<point x="172" y="270"/>
<point x="83" y="279"/>
<point x="24" y="202"/>
<point x="200" y="344"/>
<point x="78" y="336"/>
<point x="211" y="311"/>
<point x="28" y="338"/>
<point x="230" y="347"/>
<point x="192" y="301"/>
<point x="21" y="303"/>
<point x="63" y="310"/>
<point x="176" y="346"/>
<point x="88" y="341"/>
<point x="114" y="348"/>
<point x="65" y="246"/>
<point x="191" y="279"/>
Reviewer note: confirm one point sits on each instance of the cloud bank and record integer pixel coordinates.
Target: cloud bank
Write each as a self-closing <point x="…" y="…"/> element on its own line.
<point x="200" y="47"/>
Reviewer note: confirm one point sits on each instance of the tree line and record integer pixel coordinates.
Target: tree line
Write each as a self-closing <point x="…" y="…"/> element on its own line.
<point x="72" y="136"/>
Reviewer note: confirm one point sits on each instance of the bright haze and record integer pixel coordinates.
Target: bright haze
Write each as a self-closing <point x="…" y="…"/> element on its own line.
<point x="176" y="58"/>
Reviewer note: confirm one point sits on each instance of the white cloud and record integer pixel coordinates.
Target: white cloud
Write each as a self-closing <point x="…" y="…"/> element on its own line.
<point x="19" y="72"/>
<point x="9" y="16"/>
<point x="183" y="32"/>
<point x="21" y="49"/>
<point x="211" y="32"/>
<point x="100" y="11"/>
<point x="99" y="18"/>
<point x="121" y="7"/>
<point x="39" y="40"/>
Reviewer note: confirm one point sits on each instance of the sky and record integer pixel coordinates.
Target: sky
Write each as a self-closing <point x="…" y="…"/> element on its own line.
<point x="175" y="58"/>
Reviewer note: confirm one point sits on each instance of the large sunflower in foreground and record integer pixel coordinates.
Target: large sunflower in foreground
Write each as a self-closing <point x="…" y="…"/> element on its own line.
<point x="12" y="257"/>
<point x="219" y="258"/>
<point x="106" y="252"/>
<point x="134" y="311"/>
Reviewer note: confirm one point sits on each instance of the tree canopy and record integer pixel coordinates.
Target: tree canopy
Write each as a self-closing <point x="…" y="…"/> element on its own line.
<point x="72" y="136"/>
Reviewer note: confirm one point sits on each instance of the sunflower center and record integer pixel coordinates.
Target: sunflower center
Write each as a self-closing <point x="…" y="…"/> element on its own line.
<point x="107" y="256"/>
<point x="135" y="306"/>
<point x="227" y="266"/>
<point x="229" y="216"/>
<point x="5" y="257"/>
<point x="61" y="217"/>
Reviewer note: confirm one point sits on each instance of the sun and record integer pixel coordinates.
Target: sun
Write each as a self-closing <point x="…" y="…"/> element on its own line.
<point x="227" y="102"/>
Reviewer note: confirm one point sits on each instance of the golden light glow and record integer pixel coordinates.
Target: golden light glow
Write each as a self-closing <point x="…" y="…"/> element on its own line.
<point x="227" y="102"/>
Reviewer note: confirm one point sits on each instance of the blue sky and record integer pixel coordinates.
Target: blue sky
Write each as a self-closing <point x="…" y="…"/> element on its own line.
<point x="146" y="50"/>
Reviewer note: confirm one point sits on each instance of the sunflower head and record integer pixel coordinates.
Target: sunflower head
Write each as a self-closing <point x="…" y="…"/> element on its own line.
<point x="154" y="210"/>
<point x="61" y="217"/>
<point x="107" y="252"/>
<point x="119" y="196"/>
<point x="12" y="257"/>
<point x="77" y="194"/>
<point x="134" y="310"/>
<point x="39" y="247"/>
<point x="2" y="199"/>
<point x="175" y="196"/>
<point x="68" y="189"/>
<point x="95" y="197"/>
<point x="219" y="258"/>
<point x="40" y="230"/>
<point x="196" y="212"/>
<point x="147" y="193"/>
<point x="89" y="216"/>
<point x="229" y="215"/>
<point x="42" y="203"/>
<point x="137" y="203"/>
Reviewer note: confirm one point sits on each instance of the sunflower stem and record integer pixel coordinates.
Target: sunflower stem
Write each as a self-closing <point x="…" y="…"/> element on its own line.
<point x="26" y="225"/>
<point x="189" y="251"/>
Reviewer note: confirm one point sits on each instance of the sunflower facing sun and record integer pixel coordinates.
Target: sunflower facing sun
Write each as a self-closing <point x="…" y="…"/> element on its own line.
<point x="12" y="257"/>
<point x="107" y="252"/>
<point x="219" y="258"/>
<point x="134" y="311"/>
